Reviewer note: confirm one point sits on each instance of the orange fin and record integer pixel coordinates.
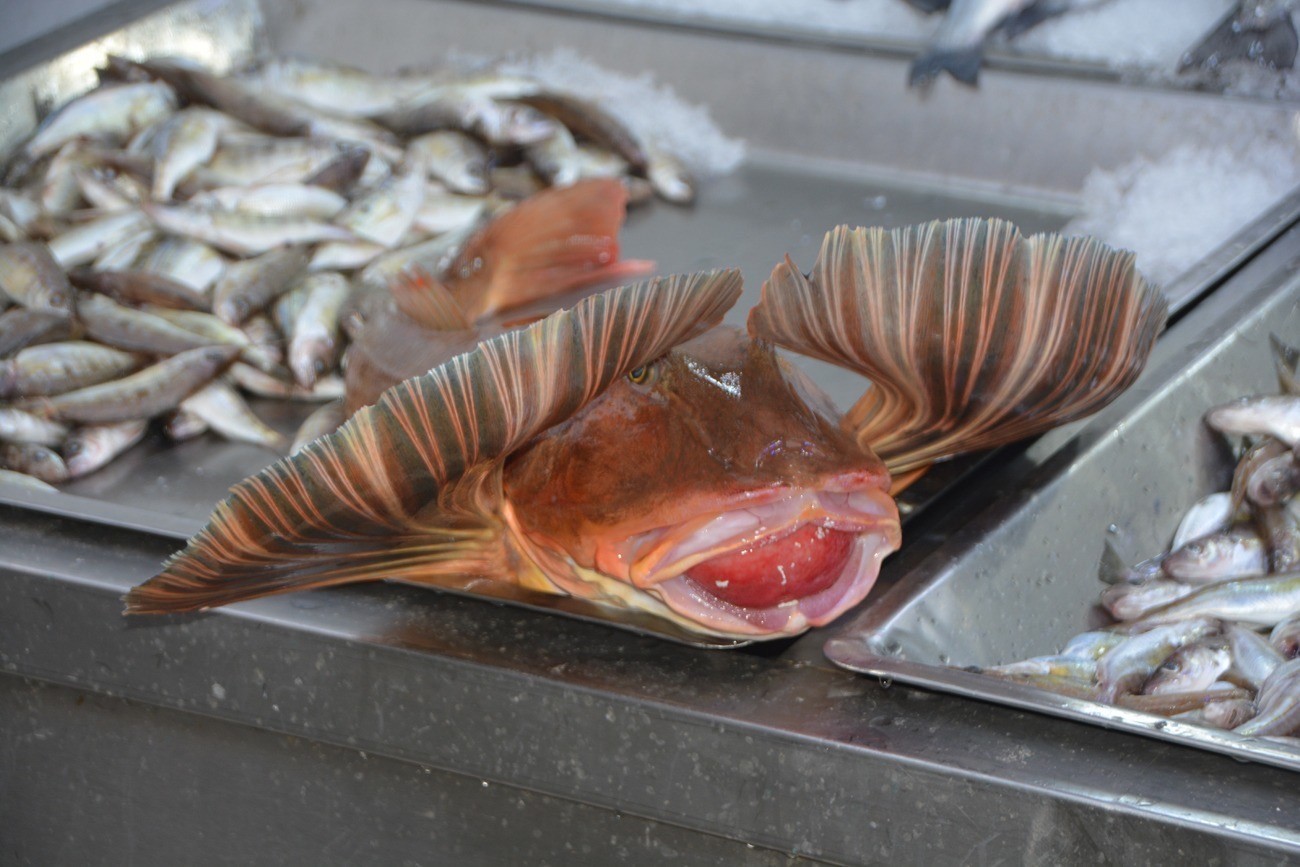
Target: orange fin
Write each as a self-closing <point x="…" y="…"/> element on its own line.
<point x="554" y="242"/>
<point x="426" y="301"/>
<point x="409" y="488"/>
<point x="972" y="335"/>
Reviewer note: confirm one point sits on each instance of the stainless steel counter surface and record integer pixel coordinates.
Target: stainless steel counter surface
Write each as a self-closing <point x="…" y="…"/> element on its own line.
<point x="387" y="724"/>
<point x="751" y="747"/>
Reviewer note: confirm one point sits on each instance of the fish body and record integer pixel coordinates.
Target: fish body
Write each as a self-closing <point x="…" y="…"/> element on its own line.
<point x="139" y="287"/>
<point x="1236" y="553"/>
<point x="1126" y="668"/>
<point x="336" y="87"/>
<point x="53" y="368"/>
<point x="314" y="336"/>
<point x="242" y="234"/>
<point x="1285" y="637"/>
<point x="247" y="287"/>
<point x="84" y="243"/>
<point x="1191" y="668"/>
<point x="23" y="326"/>
<point x="18" y="426"/>
<point x="109" y="112"/>
<point x="1211" y="514"/>
<point x="185" y="141"/>
<point x="30" y="275"/>
<point x="1278" y="704"/>
<point x="274" y="200"/>
<point x="458" y="160"/>
<point x="150" y="392"/>
<point x="34" y="460"/>
<point x="1131" y="601"/>
<point x="223" y="410"/>
<point x="1258" y="415"/>
<point x="89" y="448"/>
<point x="1253" y="658"/>
<point x="630" y="452"/>
<point x="127" y="328"/>
<point x="1265" y="601"/>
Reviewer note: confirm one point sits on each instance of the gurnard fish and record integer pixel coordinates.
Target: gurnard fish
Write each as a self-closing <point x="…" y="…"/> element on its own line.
<point x="957" y="46"/>
<point x="632" y="452"/>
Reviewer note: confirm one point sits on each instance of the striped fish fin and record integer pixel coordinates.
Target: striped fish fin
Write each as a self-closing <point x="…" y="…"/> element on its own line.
<point x="420" y="296"/>
<point x="408" y="488"/>
<point x="971" y="334"/>
<point x="557" y="241"/>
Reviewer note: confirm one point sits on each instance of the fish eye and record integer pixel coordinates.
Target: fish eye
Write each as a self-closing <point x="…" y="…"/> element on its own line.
<point x="640" y="375"/>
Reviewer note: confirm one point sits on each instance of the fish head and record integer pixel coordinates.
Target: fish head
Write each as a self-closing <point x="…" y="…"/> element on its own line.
<point x="714" y="487"/>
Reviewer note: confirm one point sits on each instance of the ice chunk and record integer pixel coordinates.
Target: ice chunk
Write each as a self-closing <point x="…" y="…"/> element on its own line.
<point x="1174" y="210"/>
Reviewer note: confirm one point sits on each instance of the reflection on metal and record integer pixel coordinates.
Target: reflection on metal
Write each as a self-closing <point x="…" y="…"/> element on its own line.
<point x="1019" y="578"/>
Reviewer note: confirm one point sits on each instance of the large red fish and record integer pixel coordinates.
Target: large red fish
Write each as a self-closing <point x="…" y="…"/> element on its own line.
<point x="631" y="452"/>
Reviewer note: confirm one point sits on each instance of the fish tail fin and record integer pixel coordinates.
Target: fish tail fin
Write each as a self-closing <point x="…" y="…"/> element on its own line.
<point x="1271" y="43"/>
<point x="554" y="242"/>
<point x="963" y="64"/>
<point x="971" y="334"/>
<point x="411" y="487"/>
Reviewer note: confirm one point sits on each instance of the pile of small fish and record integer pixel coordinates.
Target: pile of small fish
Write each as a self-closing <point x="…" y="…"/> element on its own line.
<point x="1208" y="632"/>
<point x="175" y="238"/>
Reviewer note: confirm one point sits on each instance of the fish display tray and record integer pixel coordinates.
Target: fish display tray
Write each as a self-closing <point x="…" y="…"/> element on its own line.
<point x="1020" y="578"/>
<point x="812" y="165"/>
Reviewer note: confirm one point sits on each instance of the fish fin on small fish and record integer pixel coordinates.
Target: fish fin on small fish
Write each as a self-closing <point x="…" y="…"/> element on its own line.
<point x="408" y="488"/>
<point x="963" y="64"/>
<point x="1113" y="568"/>
<point x="929" y="7"/>
<point x="422" y="297"/>
<point x="1285" y="359"/>
<point x="554" y="242"/>
<point x="972" y="335"/>
<point x="1271" y="44"/>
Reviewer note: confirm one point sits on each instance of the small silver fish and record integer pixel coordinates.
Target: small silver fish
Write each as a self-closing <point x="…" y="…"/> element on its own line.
<point x="152" y="391"/>
<point x="247" y="287"/>
<point x="54" y="368"/>
<point x="1253" y="658"/>
<point x="1221" y="713"/>
<point x="1212" y="514"/>
<point x="1278" y="703"/>
<point x="242" y="234"/>
<point x="185" y="141"/>
<point x="458" y="160"/>
<point x="131" y="329"/>
<point x="184" y="260"/>
<point x="314" y="336"/>
<point x="34" y="460"/>
<point x="22" y="327"/>
<point x="256" y="382"/>
<point x="285" y="200"/>
<point x="30" y="276"/>
<point x="224" y="411"/>
<point x="1126" y="667"/>
<point x="1131" y="601"/>
<point x="1285" y="638"/>
<point x="1192" y="668"/>
<point x="112" y="112"/>
<point x="182" y="425"/>
<point x="19" y="426"/>
<point x="84" y="243"/>
<point x="1264" y="601"/>
<point x="1258" y="415"/>
<point x="15" y="479"/>
<point x="89" y="448"/>
<point x="385" y="213"/>
<point x="1234" y="553"/>
<point x="1092" y="645"/>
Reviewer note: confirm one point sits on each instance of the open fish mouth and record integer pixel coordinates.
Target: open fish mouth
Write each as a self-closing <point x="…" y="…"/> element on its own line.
<point x="773" y="568"/>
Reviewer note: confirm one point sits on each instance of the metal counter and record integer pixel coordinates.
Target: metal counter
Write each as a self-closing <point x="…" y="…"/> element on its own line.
<point x="386" y="724"/>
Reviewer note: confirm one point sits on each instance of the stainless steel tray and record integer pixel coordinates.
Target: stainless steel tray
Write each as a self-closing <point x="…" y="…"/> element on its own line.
<point x="1020" y="578"/>
<point x="813" y="164"/>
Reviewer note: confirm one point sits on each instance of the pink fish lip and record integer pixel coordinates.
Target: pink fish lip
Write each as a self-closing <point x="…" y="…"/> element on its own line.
<point x="664" y="555"/>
